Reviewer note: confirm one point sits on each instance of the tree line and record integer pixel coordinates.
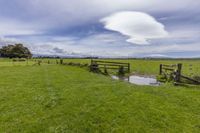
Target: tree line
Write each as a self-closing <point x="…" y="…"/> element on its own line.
<point x="15" y="51"/>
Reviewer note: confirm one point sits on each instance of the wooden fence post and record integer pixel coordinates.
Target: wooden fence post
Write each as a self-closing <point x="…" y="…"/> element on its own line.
<point x="91" y="67"/>
<point x="161" y="69"/>
<point x="105" y="69"/>
<point x="121" y="70"/>
<point x="27" y="61"/>
<point x="128" y="67"/>
<point x="94" y="66"/>
<point x="179" y="72"/>
<point x="39" y="62"/>
<point x="61" y="61"/>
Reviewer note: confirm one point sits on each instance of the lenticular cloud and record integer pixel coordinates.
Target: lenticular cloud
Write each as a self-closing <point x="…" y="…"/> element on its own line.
<point x="139" y="27"/>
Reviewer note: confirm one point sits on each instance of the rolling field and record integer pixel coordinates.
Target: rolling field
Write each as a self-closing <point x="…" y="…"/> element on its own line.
<point x="57" y="99"/>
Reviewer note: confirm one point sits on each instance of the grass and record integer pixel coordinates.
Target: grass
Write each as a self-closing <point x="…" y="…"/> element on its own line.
<point x="57" y="99"/>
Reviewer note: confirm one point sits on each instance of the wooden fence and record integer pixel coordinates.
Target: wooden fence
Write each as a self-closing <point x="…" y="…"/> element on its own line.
<point x="172" y="70"/>
<point x="57" y="61"/>
<point x="15" y="61"/>
<point x="122" y="68"/>
<point x="175" y="72"/>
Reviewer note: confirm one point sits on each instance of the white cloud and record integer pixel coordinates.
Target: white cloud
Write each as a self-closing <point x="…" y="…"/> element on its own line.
<point x="13" y="27"/>
<point x="157" y="55"/>
<point x="48" y="14"/>
<point x="8" y="40"/>
<point x="140" y="27"/>
<point x="107" y="45"/>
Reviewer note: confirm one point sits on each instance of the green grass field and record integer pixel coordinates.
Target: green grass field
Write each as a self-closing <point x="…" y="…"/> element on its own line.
<point x="57" y="99"/>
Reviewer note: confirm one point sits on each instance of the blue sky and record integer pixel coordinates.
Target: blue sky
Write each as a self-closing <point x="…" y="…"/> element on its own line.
<point x="108" y="28"/>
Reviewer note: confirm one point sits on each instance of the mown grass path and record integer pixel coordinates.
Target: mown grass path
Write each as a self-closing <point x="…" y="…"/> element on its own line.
<point x="53" y="98"/>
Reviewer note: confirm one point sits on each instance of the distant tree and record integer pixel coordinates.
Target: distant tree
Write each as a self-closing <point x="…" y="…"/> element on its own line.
<point x="15" y="51"/>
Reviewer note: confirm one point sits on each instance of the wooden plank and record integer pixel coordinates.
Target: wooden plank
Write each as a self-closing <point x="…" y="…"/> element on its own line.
<point x="170" y="69"/>
<point x="193" y="80"/>
<point x="110" y="65"/>
<point x="170" y="65"/>
<point x="107" y="67"/>
<point x="109" y="62"/>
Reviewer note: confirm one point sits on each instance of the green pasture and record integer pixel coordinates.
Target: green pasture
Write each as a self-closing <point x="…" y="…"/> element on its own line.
<point x="55" y="98"/>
